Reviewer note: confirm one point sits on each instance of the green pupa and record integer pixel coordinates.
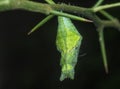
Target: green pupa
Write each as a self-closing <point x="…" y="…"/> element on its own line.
<point x="68" y="43"/>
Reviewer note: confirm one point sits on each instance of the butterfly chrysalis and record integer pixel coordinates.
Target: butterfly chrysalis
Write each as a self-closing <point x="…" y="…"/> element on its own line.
<point x="68" y="42"/>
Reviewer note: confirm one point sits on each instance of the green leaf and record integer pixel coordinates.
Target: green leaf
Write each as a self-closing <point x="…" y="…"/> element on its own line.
<point x="68" y="42"/>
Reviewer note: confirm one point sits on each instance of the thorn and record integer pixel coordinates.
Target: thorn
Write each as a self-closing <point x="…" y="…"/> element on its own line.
<point x="29" y="32"/>
<point x="41" y="23"/>
<point x="87" y="20"/>
<point x="106" y="69"/>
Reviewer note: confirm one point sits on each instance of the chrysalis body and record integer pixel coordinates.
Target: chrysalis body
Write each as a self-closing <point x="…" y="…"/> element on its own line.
<point x="68" y="42"/>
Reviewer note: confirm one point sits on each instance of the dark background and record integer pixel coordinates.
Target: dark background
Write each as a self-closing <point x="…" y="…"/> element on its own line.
<point x="32" y="62"/>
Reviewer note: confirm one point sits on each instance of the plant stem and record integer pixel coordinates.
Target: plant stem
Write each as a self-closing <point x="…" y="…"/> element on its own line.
<point x="98" y="3"/>
<point x="107" y="15"/>
<point x="106" y="6"/>
<point x="54" y="9"/>
<point x="24" y="5"/>
<point x="101" y="37"/>
<point x="103" y="49"/>
<point x="70" y="16"/>
<point x="110" y="17"/>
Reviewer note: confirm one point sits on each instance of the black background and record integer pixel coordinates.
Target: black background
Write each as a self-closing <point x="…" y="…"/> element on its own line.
<point x="32" y="62"/>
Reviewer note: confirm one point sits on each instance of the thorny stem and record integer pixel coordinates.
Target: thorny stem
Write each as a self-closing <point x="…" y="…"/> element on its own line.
<point x="54" y="9"/>
<point x="48" y="8"/>
<point x="70" y="16"/>
<point x="102" y="46"/>
<point x="101" y="35"/>
<point x="107" y="15"/>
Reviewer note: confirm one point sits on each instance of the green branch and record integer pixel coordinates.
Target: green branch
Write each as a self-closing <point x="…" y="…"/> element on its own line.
<point x="49" y="9"/>
<point x="107" y="15"/>
<point x="98" y="3"/>
<point x="102" y="46"/>
<point x="99" y="8"/>
<point x="24" y="5"/>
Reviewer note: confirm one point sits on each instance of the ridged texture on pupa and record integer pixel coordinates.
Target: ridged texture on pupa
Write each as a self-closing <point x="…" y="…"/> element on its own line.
<point x="68" y="42"/>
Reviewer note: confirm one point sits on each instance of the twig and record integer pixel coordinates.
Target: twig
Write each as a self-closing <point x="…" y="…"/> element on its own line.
<point x="98" y="3"/>
<point x="48" y="8"/>
<point x="106" y="7"/>
<point x="102" y="46"/>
